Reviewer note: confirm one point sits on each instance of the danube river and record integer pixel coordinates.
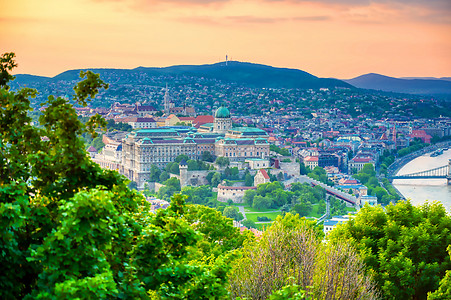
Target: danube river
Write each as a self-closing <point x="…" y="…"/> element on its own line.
<point x="419" y="190"/>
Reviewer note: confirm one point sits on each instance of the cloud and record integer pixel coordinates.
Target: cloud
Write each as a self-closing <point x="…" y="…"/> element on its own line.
<point x="253" y="19"/>
<point x="199" y="20"/>
<point x="249" y="19"/>
<point x="431" y="4"/>
<point x="312" y="18"/>
<point x="425" y="11"/>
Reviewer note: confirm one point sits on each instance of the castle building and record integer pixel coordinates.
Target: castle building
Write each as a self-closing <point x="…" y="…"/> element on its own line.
<point x="160" y="146"/>
<point x="240" y="149"/>
<point x="234" y="193"/>
<point x="144" y="148"/>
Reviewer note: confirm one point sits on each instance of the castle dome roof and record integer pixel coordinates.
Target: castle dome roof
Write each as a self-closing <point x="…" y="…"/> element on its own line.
<point x="222" y="112"/>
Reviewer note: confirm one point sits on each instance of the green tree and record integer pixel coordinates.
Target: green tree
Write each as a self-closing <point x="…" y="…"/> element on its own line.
<point x="322" y="207"/>
<point x="281" y="151"/>
<point x="207" y="156"/>
<point x="222" y="161"/>
<point x="368" y="169"/>
<point x="220" y="236"/>
<point x="192" y="165"/>
<point x="303" y="207"/>
<point x="379" y="192"/>
<point x="173" y="168"/>
<point x="197" y="195"/>
<point x="278" y="197"/>
<point x="292" y="292"/>
<point x="164" y="176"/>
<point x="444" y="290"/>
<point x="291" y="252"/>
<point x="261" y="202"/>
<point x="98" y="143"/>
<point x="303" y="169"/>
<point x="248" y="223"/>
<point x="248" y="180"/>
<point x="249" y="197"/>
<point x="232" y="213"/>
<point x="404" y="247"/>
<point x="209" y="177"/>
<point x="7" y="64"/>
<point x="337" y="207"/>
<point x="70" y="229"/>
<point x="171" y="186"/>
<point x="216" y="179"/>
<point x="320" y="174"/>
<point x="181" y="157"/>
<point x="155" y="173"/>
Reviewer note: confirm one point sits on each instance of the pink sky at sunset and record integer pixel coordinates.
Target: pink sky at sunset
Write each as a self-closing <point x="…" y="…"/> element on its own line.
<point x="327" y="38"/>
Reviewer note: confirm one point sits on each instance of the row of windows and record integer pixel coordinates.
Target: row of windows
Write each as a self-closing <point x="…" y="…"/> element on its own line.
<point x="245" y="154"/>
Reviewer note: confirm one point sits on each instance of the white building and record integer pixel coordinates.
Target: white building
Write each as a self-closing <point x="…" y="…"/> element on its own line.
<point x="330" y="224"/>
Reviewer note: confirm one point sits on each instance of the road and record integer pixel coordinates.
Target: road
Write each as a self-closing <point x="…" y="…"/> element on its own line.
<point x="241" y="210"/>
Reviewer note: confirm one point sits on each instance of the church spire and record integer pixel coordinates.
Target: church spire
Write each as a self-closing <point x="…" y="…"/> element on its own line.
<point x="167" y="101"/>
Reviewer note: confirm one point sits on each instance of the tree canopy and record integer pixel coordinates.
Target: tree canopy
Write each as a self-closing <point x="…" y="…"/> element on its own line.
<point x="290" y="259"/>
<point x="403" y="247"/>
<point x="70" y="229"/>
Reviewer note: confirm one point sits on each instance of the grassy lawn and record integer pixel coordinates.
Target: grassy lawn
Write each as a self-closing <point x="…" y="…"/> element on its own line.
<point x="314" y="212"/>
<point x="350" y="209"/>
<point x="250" y="209"/>
<point x="272" y="216"/>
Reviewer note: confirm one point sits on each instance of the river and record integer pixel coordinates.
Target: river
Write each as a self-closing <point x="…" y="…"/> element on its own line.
<point x="419" y="190"/>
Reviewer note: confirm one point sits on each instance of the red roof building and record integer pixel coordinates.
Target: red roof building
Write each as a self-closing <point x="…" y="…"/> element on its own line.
<point x="421" y="134"/>
<point x="201" y="120"/>
<point x="261" y="177"/>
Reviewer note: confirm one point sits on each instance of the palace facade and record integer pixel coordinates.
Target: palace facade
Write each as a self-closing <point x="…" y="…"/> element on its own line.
<point x="160" y="146"/>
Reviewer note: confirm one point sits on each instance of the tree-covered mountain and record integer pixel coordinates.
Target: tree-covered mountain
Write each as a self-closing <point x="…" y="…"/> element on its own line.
<point x="249" y="74"/>
<point x="399" y="85"/>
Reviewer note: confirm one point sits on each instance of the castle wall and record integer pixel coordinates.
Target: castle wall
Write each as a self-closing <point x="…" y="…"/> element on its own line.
<point x="234" y="193"/>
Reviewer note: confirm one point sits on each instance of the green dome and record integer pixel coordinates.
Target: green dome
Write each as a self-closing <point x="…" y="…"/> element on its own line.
<point x="222" y="112"/>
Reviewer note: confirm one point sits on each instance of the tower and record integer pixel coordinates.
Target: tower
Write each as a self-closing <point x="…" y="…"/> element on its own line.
<point x="183" y="167"/>
<point x="227" y="59"/>
<point x="448" y="177"/>
<point x="167" y="101"/>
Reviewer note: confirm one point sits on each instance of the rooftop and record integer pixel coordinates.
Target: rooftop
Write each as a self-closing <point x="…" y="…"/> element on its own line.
<point x="222" y="112"/>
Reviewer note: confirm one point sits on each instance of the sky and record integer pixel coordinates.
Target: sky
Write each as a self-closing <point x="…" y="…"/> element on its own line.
<point x="327" y="38"/>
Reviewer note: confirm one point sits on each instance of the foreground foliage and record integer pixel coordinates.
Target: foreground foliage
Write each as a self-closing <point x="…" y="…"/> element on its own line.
<point x="404" y="248"/>
<point x="69" y="229"/>
<point x="291" y="261"/>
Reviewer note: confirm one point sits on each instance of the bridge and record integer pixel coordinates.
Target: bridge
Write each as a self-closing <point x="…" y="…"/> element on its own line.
<point x="440" y="172"/>
<point x="349" y="199"/>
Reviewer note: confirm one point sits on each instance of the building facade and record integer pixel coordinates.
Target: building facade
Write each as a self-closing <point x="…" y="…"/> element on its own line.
<point x="240" y="149"/>
<point x="234" y="193"/>
<point x="160" y="146"/>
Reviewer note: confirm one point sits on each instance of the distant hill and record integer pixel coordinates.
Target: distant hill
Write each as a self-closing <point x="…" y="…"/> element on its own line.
<point x="400" y="85"/>
<point x="249" y="74"/>
<point x="429" y="78"/>
<point x="29" y="79"/>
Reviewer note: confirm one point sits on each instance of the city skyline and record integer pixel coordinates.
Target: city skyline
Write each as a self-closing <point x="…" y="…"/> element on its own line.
<point x="326" y="38"/>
